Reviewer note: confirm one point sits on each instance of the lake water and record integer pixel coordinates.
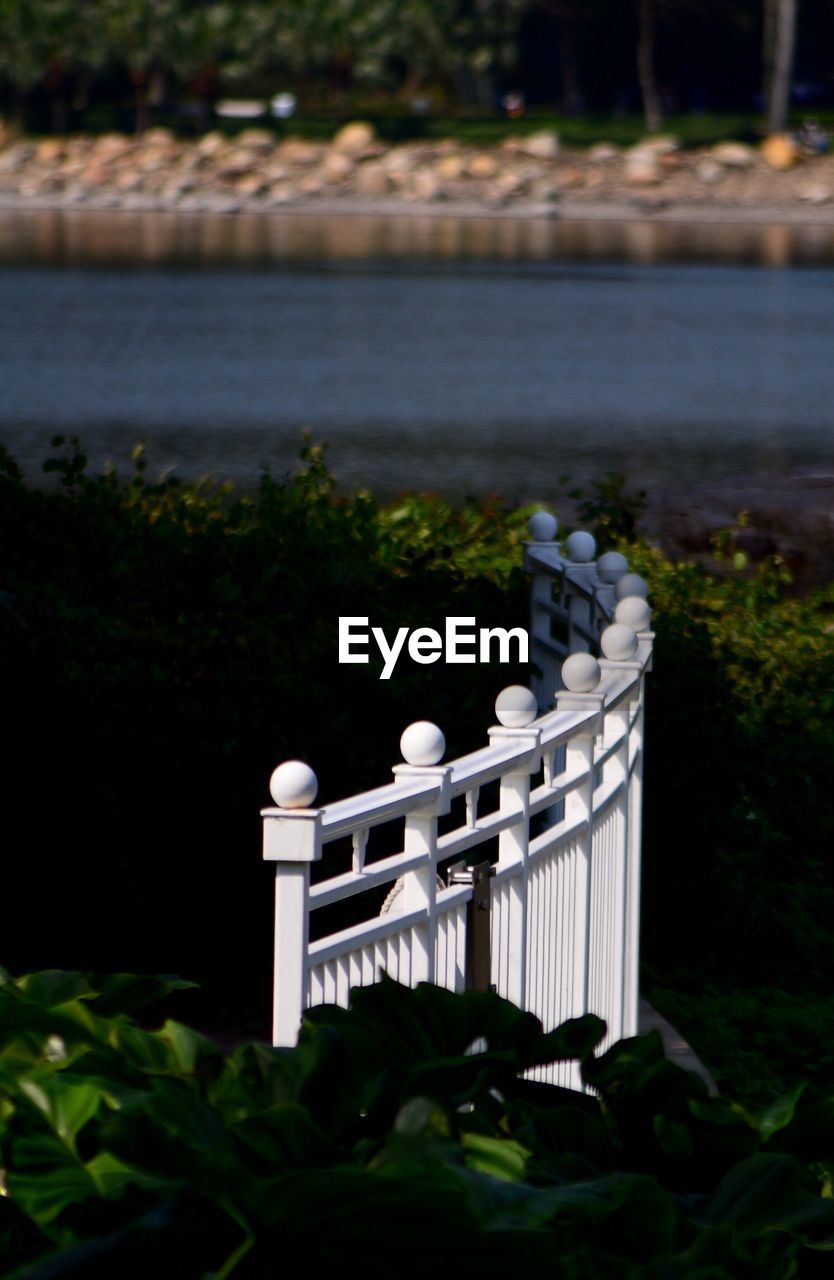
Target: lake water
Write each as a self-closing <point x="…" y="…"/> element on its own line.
<point x="466" y="356"/>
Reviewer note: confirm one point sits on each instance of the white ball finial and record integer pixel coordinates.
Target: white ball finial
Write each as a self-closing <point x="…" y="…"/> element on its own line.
<point x="631" y="584"/>
<point x="516" y="707"/>
<point x="618" y="642"/>
<point x="581" y="673"/>
<point x="611" y="567"/>
<point x="634" y="612"/>
<point x="422" y="743"/>
<point x="293" y="785"/>
<point x="542" y="526"/>
<point x="581" y="547"/>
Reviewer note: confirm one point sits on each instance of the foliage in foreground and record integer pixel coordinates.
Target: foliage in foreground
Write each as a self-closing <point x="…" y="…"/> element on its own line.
<point x="381" y="1140"/>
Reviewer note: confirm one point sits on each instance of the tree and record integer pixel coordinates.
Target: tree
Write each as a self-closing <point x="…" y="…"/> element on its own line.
<point x="146" y="36"/>
<point x="779" y="44"/>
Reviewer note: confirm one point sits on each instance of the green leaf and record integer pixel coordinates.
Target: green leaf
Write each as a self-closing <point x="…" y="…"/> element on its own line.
<point x="779" y="1114"/>
<point x="765" y="1193"/>
<point x="45" y="1177"/>
<point x="67" y="1104"/>
<point x="499" y="1157"/>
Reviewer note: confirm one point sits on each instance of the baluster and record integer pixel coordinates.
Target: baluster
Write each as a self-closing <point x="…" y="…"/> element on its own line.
<point x="515" y="708"/>
<point x="292" y="840"/>
<point x="422" y="745"/>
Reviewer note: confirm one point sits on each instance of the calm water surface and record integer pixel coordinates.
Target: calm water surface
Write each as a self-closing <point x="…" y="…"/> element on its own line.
<point x="463" y="356"/>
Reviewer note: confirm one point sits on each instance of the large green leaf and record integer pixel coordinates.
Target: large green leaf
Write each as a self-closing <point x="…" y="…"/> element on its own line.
<point x="768" y="1192"/>
<point x="45" y="1176"/>
<point x="66" y="1102"/>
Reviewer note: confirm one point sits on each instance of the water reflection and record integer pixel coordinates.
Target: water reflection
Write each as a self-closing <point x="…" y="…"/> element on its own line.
<point x="467" y="355"/>
<point x="74" y="237"/>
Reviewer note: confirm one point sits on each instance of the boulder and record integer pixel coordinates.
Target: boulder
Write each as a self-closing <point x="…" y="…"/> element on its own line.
<point x="642" y="168"/>
<point x="570" y="178"/>
<point x="372" y="180"/>
<point x="779" y="151"/>
<point x="260" y="140"/>
<point x="815" y="193"/>
<point x="426" y="185"/>
<point x="483" y="165"/>
<point x="159" y="137"/>
<point x="543" y="145"/>
<point x="299" y="151"/>
<point x="337" y="166"/>
<point x="211" y="143"/>
<point x="710" y="171"/>
<point x="449" y="167"/>
<point x="733" y="155"/>
<point x="49" y="151"/>
<point x="603" y="153"/>
<point x="250" y="185"/>
<point x="660" y="144"/>
<point x="399" y="160"/>
<point x="354" y="138"/>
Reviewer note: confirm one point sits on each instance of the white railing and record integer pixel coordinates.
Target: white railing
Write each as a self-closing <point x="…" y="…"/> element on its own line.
<point x="552" y="922"/>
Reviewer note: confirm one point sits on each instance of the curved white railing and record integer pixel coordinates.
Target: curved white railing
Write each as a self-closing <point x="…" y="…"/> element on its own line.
<point x="552" y="921"/>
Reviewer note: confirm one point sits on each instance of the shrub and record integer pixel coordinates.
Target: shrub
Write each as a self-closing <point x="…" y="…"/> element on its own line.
<point x="385" y="1141"/>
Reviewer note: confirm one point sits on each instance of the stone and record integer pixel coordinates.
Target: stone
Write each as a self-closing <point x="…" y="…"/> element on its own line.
<point x="337" y="166"/>
<point x="280" y="193"/>
<point x="311" y="184"/>
<point x="50" y="151"/>
<point x="710" y="171"/>
<point x="642" y="168"/>
<point x="426" y="185"/>
<point x="236" y="164"/>
<point x="483" y="165"/>
<point x="543" y="145"/>
<point x="159" y="137"/>
<point x="779" y="151"/>
<point x="400" y="160"/>
<point x="256" y="139"/>
<point x="250" y="185"/>
<point x="354" y="138"/>
<point x="603" y="153"/>
<point x="660" y="144"/>
<point x="511" y="184"/>
<point x="449" y="167"/>
<point x="571" y="178"/>
<point x="815" y="193"/>
<point x="211" y="143"/>
<point x="114" y="144"/>
<point x="372" y="180"/>
<point x="734" y="155"/>
<point x="299" y="151"/>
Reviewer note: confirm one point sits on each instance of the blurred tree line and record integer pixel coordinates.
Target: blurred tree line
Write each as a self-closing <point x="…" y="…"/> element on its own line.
<point x="65" y="56"/>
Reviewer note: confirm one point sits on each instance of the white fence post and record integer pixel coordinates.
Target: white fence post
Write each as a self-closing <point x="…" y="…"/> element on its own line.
<point x="292" y="840"/>
<point x="619" y="645"/>
<point x="516" y="708"/>
<point x="543" y="529"/>
<point x="422" y="746"/>
<point x="580" y="676"/>
<point x="580" y="549"/>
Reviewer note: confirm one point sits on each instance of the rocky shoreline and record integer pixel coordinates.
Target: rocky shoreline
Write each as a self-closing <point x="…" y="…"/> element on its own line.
<point x="528" y="176"/>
